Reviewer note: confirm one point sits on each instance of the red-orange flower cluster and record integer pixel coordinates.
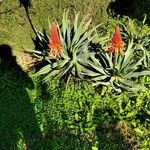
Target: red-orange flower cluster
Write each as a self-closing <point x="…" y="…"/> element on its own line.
<point x="116" y="45"/>
<point x="54" y="41"/>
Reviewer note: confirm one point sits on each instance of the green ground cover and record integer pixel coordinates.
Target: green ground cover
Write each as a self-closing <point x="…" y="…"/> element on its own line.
<point x="76" y="118"/>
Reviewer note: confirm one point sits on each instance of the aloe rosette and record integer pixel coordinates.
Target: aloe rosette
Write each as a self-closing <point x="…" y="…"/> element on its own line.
<point x="117" y="67"/>
<point x="68" y="48"/>
<point x="140" y="34"/>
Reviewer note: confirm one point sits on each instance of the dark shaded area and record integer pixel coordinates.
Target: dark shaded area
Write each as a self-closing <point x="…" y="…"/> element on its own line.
<point x="61" y="137"/>
<point x="121" y="7"/>
<point x="112" y="132"/>
<point x="107" y="133"/>
<point x="26" y="4"/>
<point x="110" y="137"/>
<point x="17" y="115"/>
<point x="5" y="52"/>
<point x="132" y="8"/>
<point x="41" y="42"/>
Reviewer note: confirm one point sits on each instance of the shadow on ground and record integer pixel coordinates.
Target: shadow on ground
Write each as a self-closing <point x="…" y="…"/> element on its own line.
<point x="17" y="116"/>
<point x="110" y="138"/>
<point x="133" y="8"/>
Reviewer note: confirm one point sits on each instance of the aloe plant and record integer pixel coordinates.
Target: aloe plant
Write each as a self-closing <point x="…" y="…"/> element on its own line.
<point x="75" y="39"/>
<point x="117" y="66"/>
<point x="122" y="70"/>
<point x="140" y="34"/>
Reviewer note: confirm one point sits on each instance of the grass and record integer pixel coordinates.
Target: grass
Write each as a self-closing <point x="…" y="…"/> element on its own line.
<point x="15" y="29"/>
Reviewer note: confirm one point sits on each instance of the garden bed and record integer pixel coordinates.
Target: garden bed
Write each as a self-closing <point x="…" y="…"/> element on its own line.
<point x="84" y="87"/>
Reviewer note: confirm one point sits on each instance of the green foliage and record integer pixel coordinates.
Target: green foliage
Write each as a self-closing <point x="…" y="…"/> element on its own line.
<point x="128" y="108"/>
<point x="73" y="118"/>
<point x="92" y="117"/>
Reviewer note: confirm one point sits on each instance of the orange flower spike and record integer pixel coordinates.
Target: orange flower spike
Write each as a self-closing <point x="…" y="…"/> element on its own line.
<point x="54" y="41"/>
<point x="116" y="45"/>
